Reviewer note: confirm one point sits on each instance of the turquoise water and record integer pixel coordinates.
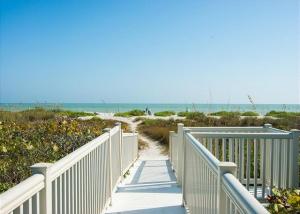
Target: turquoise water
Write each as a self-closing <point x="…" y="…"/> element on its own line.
<point x="120" y="107"/>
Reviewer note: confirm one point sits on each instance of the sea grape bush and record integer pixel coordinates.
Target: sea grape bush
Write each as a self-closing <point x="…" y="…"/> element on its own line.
<point x="284" y="201"/>
<point x="41" y="137"/>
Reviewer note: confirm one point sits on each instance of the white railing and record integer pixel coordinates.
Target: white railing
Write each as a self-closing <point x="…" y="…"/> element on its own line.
<point x="266" y="157"/>
<point x="212" y="186"/>
<point x="81" y="182"/>
<point x="130" y="150"/>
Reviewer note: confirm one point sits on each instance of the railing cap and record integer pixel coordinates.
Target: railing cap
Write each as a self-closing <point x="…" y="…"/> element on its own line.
<point x="40" y="168"/>
<point x="187" y="130"/>
<point x="118" y="123"/>
<point x="41" y="165"/>
<point x="267" y="125"/>
<point x="106" y="129"/>
<point x="295" y="132"/>
<point x="227" y="167"/>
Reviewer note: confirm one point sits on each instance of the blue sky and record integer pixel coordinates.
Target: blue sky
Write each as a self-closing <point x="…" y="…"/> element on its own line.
<point x="150" y="51"/>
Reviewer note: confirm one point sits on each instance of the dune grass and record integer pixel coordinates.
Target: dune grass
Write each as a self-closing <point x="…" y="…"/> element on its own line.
<point x="191" y="115"/>
<point x="164" y="113"/>
<point x="158" y="129"/>
<point x="132" y="113"/>
<point x="226" y="113"/>
<point x="283" y="114"/>
<point x="250" y="114"/>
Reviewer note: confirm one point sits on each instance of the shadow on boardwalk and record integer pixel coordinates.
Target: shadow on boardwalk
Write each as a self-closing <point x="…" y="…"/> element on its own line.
<point x="150" y="188"/>
<point x="171" y="209"/>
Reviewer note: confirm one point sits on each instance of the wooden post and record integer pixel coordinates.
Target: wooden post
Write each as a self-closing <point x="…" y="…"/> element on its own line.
<point x="171" y="133"/>
<point x="120" y="147"/>
<point x="224" y="167"/>
<point x="180" y="152"/>
<point x="186" y="131"/>
<point x="294" y="149"/>
<point x="110" y="165"/>
<point x="46" y="193"/>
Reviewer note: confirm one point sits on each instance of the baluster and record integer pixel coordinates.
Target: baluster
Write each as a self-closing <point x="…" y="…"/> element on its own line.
<point x="248" y="164"/>
<point x="280" y="152"/>
<point x="255" y="165"/>
<point x="241" y="161"/>
<point x="236" y="151"/>
<point x="217" y="148"/>
<point x="263" y="168"/>
<point x="272" y="165"/>
<point x="231" y="150"/>
<point x="287" y="164"/>
<point x="223" y="149"/>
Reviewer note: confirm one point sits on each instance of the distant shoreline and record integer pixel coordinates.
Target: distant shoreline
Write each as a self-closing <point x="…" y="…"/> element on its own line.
<point x="261" y="109"/>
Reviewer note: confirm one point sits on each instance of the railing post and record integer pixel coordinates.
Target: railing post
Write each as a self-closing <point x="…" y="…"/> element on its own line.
<point x="110" y="165"/>
<point x="267" y="126"/>
<point x="180" y="151"/>
<point x="186" y="131"/>
<point x="46" y="193"/>
<point x="171" y="133"/>
<point x="120" y="147"/>
<point x="224" y="167"/>
<point x="294" y="149"/>
<point x="137" y="146"/>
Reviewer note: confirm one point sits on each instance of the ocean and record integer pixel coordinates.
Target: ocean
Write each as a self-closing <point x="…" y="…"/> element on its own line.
<point x="154" y="107"/>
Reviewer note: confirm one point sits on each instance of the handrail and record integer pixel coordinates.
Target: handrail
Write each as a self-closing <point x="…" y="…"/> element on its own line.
<point x="207" y="188"/>
<point x="243" y="135"/>
<point x="83" y="181"/>
<point x="240" y="196"/>
<point x="267" y="128"/>
<point x="20" y="193"/>
<point x="209" y="158"/>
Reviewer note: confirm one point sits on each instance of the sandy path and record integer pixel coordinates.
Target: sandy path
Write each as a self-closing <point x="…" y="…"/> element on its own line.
<point x="153" y="151"/>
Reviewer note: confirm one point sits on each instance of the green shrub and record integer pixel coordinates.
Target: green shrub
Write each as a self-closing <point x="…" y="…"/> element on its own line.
<point x="191" y="115"/>
<point x="27" y="115"/>
<point x="135" y="112"/>
<point x="250" y="113"/>
<point x="183" y="113"/>
<point x="282" y="114"/>
<point x="164" y="113"/>
<point x="38" y="135"/>
<point x="195" y="116"/>
<point x="158" y="129"/>
<point x="226" y="113"/>
<point x="284" y="201"/>
<point x="73" y="114"/>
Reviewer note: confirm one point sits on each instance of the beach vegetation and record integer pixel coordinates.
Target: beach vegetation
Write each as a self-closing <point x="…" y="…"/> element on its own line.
<point x="158" y="129"/>
<point x="142" y="144"/>
<point x="73" y="114"/>
<point x="250" y="114"/>
<point x="132" y="113"/>
<point x="164" y="113"/>
<point x="183" y="113"/>
<point x="226" y="113"/>
<point x="191" y="115"/>
<point x="284" y="201"/>
<point x="40" y="135"/>
<point x="283" y="114"/>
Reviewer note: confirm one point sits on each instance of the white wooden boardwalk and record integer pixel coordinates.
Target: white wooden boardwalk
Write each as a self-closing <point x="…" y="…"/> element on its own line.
<point x="150" y="188"/>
